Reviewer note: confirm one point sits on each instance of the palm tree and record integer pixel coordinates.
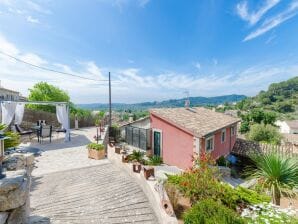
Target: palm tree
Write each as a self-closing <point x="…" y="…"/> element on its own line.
<point x="276" y="173"/>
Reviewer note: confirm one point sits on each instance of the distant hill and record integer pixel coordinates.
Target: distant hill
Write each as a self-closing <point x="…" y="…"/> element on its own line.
<point x="194" y="101"/>
<point x="281" y="98"/>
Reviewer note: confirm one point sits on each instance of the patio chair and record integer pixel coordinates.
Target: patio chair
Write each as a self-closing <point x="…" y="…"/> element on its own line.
<point x="23" y="132"/>
<point x="60" y="130"/>
<point x="45" y="132"/>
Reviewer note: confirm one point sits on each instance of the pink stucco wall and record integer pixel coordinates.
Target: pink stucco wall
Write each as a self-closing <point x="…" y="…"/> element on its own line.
<point x="221" y="148"/>
<point x="177" y="145"/>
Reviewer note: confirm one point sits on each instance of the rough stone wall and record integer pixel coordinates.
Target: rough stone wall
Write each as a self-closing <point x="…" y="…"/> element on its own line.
<point x="244" y="148"/>
<point x="15" y="188"/>
<point x="32" y="116"/>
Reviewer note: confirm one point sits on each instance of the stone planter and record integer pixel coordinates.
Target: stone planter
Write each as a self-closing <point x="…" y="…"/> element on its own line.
<point x="148" y="172"/>
<point x="117" y="150"/>
<point x="136" y="167"/>
<point x="124" y="159"/>
<point x="96" y="154"/>
<point x="149" y="152"/>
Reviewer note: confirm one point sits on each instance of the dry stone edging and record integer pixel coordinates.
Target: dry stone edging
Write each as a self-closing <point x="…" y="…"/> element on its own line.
<point x="15" y="188"/>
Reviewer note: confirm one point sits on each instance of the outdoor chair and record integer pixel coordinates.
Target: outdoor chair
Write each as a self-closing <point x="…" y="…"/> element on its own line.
<point x="45" y="132"/>
<point x="23" y="132"/>
<point x="60" y="130"/>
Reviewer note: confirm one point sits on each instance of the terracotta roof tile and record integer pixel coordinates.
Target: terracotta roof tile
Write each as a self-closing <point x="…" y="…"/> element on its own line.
<point x="293" y="124"/>
<point x="198" y="120"/>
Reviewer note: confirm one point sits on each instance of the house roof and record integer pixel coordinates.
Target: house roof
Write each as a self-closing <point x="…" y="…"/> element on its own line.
<point x="133" y="122"/>
<point x="292" y="124"/>
<point x="9" y="90"/>
<point x="198" y="120"/>
<point x="292" y="138"/>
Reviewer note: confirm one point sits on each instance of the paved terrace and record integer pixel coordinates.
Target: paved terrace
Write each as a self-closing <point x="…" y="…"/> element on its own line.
<point x="68" y="187"/>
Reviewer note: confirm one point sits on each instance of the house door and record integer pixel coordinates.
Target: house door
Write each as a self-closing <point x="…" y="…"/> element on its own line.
<point x="157" y="142"/>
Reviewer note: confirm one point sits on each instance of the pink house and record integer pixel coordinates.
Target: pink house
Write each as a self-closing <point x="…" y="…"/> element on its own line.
<point x="178" y="133"/>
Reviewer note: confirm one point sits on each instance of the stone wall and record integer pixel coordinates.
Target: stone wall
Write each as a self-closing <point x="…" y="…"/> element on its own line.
<point x="15" y="189"/>
<point x="244" y="148"/>
<point x="32" y="116"/>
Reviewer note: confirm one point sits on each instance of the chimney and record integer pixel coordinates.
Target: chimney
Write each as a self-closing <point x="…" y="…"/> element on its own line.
<point x="187" y="103"/>
<point x="130" y="118"/>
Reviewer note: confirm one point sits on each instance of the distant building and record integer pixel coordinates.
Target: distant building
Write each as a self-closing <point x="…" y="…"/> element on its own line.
<point x="288" y="127"/>
<point x="7" y="94"/>
<point x="10" y="95"/>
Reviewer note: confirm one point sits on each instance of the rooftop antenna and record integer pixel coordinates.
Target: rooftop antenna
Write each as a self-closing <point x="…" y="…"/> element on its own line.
<point x="187" y="101"/>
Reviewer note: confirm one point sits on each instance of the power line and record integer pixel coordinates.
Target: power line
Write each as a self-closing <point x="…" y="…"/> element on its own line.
<point x="52" y="70"/>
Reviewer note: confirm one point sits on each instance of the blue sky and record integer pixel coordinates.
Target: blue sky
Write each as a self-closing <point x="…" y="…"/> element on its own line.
<point x="155" y="49"/>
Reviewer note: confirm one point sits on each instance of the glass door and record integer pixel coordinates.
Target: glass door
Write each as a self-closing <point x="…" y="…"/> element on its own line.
<point x="157" y="142"/>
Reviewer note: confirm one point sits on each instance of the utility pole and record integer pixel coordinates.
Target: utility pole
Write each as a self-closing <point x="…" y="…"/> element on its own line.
<point x="110" y="102"/>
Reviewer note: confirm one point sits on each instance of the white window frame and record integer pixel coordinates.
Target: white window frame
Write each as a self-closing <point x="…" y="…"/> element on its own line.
<point x="206" y="140"/>
<point x="233" y="130"/>
<point x="223" y="131"/>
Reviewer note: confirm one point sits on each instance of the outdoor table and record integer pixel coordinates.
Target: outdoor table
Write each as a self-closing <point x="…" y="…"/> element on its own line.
<point x="36" y="129"/>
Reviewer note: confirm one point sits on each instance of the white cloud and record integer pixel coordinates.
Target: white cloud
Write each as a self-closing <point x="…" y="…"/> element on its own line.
<point x="32" y="20"/>
<point x="130" y="84"/>
<point x="37" y="7"/>
<point x="33" y="59"/>
<point x="7" y="47"/>
<point x="198" y="65"/>
<point x="253" y="17"/>
<point x="274" y="21"/>
<point x="143" y="3"/>
<point x="24" y="9"/>
<point x="215" y="61"/>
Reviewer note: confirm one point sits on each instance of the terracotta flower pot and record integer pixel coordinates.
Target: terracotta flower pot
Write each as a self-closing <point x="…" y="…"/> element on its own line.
<point x="136" y="167"/>
<point x="149" y="152"/>
<point x="117" y="150"/>
<point x="96" y="154"/>
<point x="124" y="159"/>
<point x="148" y="171"/>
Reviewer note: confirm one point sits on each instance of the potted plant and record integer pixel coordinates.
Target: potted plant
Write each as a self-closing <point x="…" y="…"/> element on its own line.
<point x="96" y="151"/>
<point x="148" y="172"/>
<point x="137" y="156"/>
<point x="136" y="167"/>
<point x="117" y="149"/>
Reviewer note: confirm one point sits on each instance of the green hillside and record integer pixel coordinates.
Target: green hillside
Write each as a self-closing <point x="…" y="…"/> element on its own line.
<point x="281" y="98"/>
<point x="194" y="101"/>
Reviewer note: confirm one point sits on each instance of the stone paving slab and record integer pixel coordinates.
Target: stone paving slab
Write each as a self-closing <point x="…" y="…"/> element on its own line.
<point x="68" y="187"/>
<point x="59" y="155"/>
<point x="95" y="194"/>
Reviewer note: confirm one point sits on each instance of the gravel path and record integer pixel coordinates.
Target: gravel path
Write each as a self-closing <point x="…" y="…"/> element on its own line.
<point x="68" y="187"/>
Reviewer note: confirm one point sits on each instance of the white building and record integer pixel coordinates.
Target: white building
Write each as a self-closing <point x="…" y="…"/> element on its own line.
<point x="288" y="127"/>
<point x="10" y="95"/>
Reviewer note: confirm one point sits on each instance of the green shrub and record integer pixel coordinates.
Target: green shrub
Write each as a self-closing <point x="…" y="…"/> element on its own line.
<point x="264" y="133"/>
<point x="209" y="211"/>
<point x="96" y="146"/>
<point x="251" y="197"/>
<point x="155" y="160"/>
<point x="174" y="179"/>
<point x="197" y="187"/>
<point x="221" y="161"/>
<point x="13" y="141"/>
<point x="136" y="156"/>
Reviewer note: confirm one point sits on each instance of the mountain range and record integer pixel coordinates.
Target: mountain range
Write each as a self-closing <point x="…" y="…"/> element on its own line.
<point x="194" y="101"/>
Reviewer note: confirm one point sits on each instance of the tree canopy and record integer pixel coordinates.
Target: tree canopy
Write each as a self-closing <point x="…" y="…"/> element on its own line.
<point x="280" y="97"/>
<point x="43" y="91"/>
